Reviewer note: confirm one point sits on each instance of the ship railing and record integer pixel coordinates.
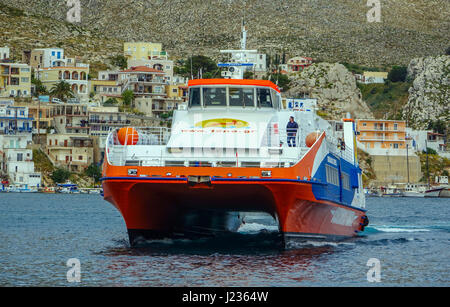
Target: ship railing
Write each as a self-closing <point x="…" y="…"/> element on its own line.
<point x="117" y="152"/>
<point x="275" y="137"/>
<point x="340" y="150"/>
<point x="202" y="161"/>
<point x="145" y="135"/>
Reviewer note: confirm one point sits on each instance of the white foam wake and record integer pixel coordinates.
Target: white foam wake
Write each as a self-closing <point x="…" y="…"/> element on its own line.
<point x="399" y="229"/>
<point x="255" y="227"/>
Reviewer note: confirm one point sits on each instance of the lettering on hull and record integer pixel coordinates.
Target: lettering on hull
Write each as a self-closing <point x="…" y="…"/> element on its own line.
<point x="343" y="217"/>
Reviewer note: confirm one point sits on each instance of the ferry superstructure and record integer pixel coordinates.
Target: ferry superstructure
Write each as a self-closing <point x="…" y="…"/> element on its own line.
<point x="226" y="154"/>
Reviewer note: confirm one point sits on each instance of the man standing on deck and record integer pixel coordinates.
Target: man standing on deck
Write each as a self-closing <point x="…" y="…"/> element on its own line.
<point x="291" y="130"/>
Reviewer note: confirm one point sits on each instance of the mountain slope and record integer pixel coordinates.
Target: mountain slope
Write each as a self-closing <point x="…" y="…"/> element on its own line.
<point x="330" y="30"/>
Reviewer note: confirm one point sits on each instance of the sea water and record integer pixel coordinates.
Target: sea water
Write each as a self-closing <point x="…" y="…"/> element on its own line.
<point x="39" y="233"/>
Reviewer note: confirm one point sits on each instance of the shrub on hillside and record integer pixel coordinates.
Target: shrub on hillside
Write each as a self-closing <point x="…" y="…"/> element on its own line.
<point x="398" y="74"/>
<point x="60" y="175"/>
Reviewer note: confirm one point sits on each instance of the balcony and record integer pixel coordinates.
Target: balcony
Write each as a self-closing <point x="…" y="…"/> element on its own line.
<point x="386" y="129"/>
<point x="68" y="145"/>
<point x="147" y="80"/>
<point x="109" y="122"/>
<point x="14" y="131"/>
<point x="381" y="139"/>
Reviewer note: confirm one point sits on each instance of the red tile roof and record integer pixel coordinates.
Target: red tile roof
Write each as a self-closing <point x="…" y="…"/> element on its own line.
<point x="142" y="69"/>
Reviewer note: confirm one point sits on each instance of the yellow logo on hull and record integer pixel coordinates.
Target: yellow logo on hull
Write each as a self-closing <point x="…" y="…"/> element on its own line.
<point x="222" y="123"/>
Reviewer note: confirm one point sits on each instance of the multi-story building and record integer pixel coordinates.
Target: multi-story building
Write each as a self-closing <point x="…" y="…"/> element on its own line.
<point x="71" y="119"/>
<point x="437" y="142"/>
<point x="71" y="151"/>
<point x="297" y="64"/>
<point x="393" y="158"/>
<point x="17" y="160"/>
<point x="143" y="81"/>
<point x="143" y="51"/>
<point x="15" y="141"/>
<point x="15" y="80"/>
<point x="381" y="135"/>
<point x="41" y="114"/>
<point x="101" y="120"/>
<point x="14" y="119"/>
<point x="45" y="57"/>
<point x="76" y="75"/>
<point x="106" y="85"/>
<point x="161" y="64"/>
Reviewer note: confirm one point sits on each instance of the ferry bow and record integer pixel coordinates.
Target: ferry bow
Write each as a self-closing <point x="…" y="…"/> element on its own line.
<point x="227" y="154"/>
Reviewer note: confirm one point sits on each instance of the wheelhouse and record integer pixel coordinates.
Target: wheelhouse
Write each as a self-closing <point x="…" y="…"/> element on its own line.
<point x="226" y="94"/>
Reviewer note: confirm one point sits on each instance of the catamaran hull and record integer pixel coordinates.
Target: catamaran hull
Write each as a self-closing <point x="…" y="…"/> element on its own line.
<point x="155" y="208"/>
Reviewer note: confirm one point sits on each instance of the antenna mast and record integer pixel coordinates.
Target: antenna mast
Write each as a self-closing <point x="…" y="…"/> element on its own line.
<point x="240" y="59"/>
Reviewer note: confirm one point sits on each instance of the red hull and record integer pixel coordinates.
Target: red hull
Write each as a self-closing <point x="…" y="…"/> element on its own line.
<point x="152" y="207"/>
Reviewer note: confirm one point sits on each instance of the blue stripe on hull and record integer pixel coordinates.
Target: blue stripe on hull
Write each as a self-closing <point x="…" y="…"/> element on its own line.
<point x="331" y="192"/>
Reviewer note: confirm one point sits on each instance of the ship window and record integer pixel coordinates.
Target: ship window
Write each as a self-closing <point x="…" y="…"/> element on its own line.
<point x="264" y="98"/>
<point x="345" y="181"/>
<point x="194" y="97"/>
<point x="241" y="97"/>
<point x="214" y="96"/>
<point x="332" y="175"/>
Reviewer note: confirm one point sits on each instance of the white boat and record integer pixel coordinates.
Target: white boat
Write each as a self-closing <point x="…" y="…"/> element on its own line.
<point x="68" y="188"/>
<point x="414" y="190"/>
<point x="413" y="194"/>
<point x="20" y="189"/>
<point x="95" y="191"/>
<point x="442" y="192"/>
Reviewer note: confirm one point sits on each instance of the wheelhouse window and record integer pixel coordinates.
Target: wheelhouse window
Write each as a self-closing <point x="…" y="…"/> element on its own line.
<point x="215" y="97"/>
<point x="264" y="98"/>
<point x="194" y="97"/>
<point x="241" y="97"/>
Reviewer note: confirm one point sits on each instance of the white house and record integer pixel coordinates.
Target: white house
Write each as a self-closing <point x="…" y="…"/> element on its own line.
<point x="4" y="53"/>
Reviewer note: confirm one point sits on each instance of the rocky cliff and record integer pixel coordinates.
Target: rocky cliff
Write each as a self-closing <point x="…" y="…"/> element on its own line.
<point x="429" y="96"/>
<point x="334" y="87"/>
<point x="334" y="31"/>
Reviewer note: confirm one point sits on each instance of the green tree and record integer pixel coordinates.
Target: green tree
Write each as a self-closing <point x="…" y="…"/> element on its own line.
<point x="94" y="171"/>
<point x="438" y="126"/>
<point x="111" y="101"/>
<point x="430" y="151"/>
<point x="200" y="63"/>
<point x="398" y="74"/>
<point x="248" y="75"/>
<point x="447" y="51"/>
<point x="128" y="97"/>
<point x="62" y="90"/>
<point x="282" y="81"/>
<point x="40" y="89"/>
<point x="60" y="175"/>
<point x="119" y="61"/>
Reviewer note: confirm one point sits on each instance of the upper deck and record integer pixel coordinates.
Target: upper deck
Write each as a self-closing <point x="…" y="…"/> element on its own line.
<point x="228" y="122"/>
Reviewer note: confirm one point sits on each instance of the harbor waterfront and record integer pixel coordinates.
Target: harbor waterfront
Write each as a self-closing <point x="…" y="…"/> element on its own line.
<point x="41" y="232"/>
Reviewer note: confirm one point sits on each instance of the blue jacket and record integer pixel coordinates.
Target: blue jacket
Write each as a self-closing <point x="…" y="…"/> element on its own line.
<point x="291" y="128"/>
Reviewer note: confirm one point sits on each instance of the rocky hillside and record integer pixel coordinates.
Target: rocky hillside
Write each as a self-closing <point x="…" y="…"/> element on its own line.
<point x="24" y="30"/>
<point x="329" y="30"/>
<point x="334" y="87"/>
<point x="429" y="96"/>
